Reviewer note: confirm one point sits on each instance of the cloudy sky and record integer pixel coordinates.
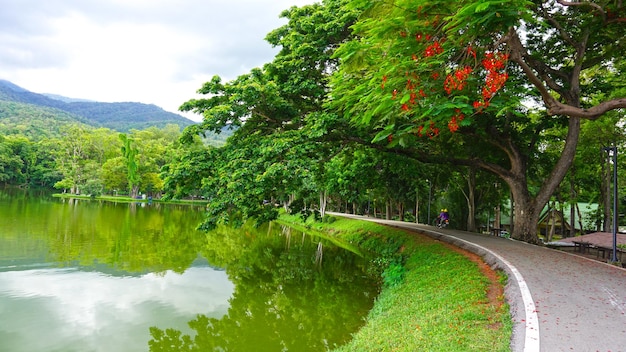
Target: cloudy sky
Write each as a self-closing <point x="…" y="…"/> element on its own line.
<point x="72" y="310"/>
<point x="149" y="51"/>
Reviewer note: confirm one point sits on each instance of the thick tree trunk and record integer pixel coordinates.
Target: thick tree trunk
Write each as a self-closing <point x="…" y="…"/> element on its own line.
<point x="528" y="209"/>
<point x="526" y="218"/>
<point x="134" y="192"/>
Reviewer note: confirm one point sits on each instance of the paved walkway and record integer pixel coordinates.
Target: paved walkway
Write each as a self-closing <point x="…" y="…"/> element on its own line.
<point x="559" y="301"/>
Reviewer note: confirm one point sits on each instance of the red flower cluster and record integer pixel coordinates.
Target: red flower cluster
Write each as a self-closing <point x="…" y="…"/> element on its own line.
<point x="471" y="51"/>
<point x="495" y="61"/>
<point x="453" y="125"/>
<point x="457" y="80"/>
<point x="433" y="49"/>
<point x="495" y="80"/>
<point x="479" y="105"/>
<point x="493" y="83"/>
<point x="431" y="132"/>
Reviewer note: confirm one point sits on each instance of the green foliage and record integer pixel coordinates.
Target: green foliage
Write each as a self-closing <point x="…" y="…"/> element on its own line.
<point x="34" y="122"/>
<point x="433" y="298"/>
<point x="283" y="135"/>
<point x="393" y="275"/>
<point x="125" y="117"/>
<point x="329" y="219"/>
<point x="454" y="86"/>
<point x="129" y="152"/>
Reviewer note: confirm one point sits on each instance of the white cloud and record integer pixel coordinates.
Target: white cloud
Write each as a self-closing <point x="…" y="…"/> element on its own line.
<point x="150" y="51"/>
<point x="88" y="311"/>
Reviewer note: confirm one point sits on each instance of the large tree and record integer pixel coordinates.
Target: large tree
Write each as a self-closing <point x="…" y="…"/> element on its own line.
<point x="485" y="79"/>
<point x="283" y="135"/>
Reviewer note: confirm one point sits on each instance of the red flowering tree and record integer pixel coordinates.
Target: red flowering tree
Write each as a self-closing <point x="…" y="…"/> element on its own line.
<point x="487" y="75"/>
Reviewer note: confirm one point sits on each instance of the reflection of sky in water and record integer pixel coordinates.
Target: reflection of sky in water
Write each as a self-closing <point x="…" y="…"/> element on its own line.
<point x="71" y="310"/>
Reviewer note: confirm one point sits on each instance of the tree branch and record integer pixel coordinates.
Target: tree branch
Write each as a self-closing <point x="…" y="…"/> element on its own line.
<point x="591" y="113"/>
<point x="578" y="3"/>
<point x="558" y="27"/>
<point x="518" y="54"/>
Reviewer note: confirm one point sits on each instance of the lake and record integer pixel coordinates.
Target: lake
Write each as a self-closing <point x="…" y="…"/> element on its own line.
<point x="83" y="275"/>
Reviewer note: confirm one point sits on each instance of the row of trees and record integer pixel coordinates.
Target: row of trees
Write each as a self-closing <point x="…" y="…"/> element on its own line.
<point x="89" y="160"/>
<point x="375" y="103"/>
<point x="393" y="107"/>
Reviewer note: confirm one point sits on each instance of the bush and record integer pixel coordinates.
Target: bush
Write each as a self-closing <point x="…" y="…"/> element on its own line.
<point x="329" y="219"/>
<point x="393" y="275"/>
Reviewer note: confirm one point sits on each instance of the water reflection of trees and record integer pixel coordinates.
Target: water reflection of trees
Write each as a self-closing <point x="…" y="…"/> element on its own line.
<point x="86" y="232"/>
<point x="283" y="300"/>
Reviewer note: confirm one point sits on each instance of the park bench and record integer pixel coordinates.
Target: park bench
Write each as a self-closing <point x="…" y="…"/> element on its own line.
<point x="582" y="246"/>
<point x="497" y="231"/>
<point x="607" y="252"/>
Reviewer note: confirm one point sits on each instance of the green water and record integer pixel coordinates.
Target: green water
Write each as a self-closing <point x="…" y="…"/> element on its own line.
<point x="79" y="275"/>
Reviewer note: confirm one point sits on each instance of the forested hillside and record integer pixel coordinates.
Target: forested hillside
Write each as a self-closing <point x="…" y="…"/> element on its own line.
<point x="88" y="147"/>
<point x="122" y="116"/>
<point x="36" y="122"/>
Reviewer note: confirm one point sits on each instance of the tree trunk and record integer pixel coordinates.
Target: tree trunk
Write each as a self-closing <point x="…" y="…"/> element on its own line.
<point x="551" y="220"/>
<point x="323" y="202"/>
<point x="573" y="206"/>
<point x="134" y="192"/>
<point x="417" y="207"/>
<point x="580" y="220"/>
<point x="470" y="197"/>
<point x="388" y="210"/>
<point x="528" y="209"/>
<point x="526" y="218"/>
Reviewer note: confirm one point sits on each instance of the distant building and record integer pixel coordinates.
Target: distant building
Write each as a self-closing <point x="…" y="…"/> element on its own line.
<point x="585" y="219"/>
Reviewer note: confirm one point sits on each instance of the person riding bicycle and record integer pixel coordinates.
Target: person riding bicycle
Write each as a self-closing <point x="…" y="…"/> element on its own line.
<point x="443" y="217"/>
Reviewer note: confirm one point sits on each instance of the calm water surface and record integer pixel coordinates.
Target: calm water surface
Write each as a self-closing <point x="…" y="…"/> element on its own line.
<point x="104" y="276"/>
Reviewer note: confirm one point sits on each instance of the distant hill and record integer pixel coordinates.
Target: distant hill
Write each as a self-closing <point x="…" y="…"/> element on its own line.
<point x="66" y="99"/>
<point x="34" y="121"/>
<point x="117" y="116"/>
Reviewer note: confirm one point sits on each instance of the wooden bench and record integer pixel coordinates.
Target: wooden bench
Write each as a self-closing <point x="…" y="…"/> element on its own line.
<point x="609" y="251"/>
<point x="496" y="232"/>
<point x="582" y="247"/>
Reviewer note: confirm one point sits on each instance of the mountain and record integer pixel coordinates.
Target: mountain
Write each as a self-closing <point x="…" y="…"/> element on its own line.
<point x="66" y="99"/>
<point x="117" y="116"/>
<point x="34" y="121"/>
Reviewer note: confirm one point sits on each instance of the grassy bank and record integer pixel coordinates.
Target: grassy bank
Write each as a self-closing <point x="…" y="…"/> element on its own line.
<point x="129" y="199"/>
<point x="434" y="297"/>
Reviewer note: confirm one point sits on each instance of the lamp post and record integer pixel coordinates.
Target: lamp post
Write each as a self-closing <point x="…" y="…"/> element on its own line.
<point x="612" y="151"/>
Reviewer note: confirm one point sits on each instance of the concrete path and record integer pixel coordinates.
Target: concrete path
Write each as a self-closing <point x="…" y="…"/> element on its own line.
<point x="559" y="301"/>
